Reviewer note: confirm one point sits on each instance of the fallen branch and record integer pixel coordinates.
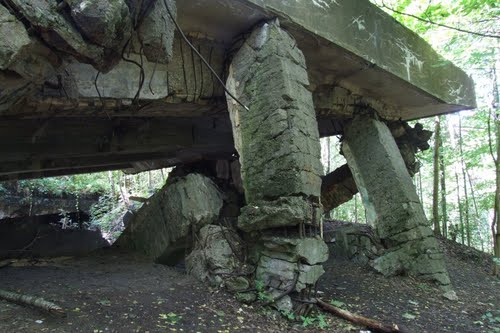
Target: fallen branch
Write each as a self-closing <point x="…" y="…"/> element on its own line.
<point x="36" y="302"/>
<point x="5" y="264"/>
<point x="357" y="319"/>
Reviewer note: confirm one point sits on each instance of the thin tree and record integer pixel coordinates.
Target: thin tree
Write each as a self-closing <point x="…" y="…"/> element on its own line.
<point x="464" y="176"/>
<point x="435" y="195"/>
<point x="112" y="183"/>
<point x="444" y="210"/>
<point x="459" y="202"/>
<point x="495" y="225"/>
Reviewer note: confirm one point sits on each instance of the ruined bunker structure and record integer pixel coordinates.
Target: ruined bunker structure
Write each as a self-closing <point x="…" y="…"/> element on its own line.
<point x="89" y="85"/>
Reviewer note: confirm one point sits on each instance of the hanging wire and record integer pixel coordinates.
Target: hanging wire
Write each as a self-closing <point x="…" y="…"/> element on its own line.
<point x="202" y="58"/>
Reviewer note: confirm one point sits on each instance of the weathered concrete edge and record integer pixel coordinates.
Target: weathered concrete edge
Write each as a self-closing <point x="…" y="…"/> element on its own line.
<point x="379" y="39"/>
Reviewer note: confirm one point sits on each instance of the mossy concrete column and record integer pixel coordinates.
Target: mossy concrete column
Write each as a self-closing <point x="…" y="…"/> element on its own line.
<point x="391" y="201"/>
<point x="278" y="143"/>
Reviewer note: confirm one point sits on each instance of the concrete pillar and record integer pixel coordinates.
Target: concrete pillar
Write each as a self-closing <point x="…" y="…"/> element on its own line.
<point x="391" y="202"/>
<point x="278" y="143"/>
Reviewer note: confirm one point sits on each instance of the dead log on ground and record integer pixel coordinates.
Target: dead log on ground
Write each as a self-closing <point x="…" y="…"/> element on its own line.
<point x="6" y="263"/>
<point x="36" y="302"/>
<point x="357" y="319"/>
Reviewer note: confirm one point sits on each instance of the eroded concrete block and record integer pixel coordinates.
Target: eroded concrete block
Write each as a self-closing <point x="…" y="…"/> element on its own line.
<point x="391" y="202"/>
<point x="156" y="32"/>
<point x="277" y="139"/>
<point x="163" y="227"/>
<point x="285" y="211"/>
<point x="311" y="251"/>
<point x="105" y="23"/>
<point x="213" y="260"/>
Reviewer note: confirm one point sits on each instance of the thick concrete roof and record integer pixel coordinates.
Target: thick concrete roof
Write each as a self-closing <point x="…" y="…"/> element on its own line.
<point x="347" y="43"/>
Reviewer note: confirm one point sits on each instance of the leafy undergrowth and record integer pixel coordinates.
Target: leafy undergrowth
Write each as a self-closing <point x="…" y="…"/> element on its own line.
<point x="116" y="292"/>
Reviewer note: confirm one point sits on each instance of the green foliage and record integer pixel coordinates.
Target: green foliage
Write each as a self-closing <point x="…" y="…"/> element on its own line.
<point x="318" y="321"/>
<point x="107" y="215"/>
<point x="337" y="304"/>
<point x="86" y="184"/>
<point x="307" y="321"/>
<point x="262" y="295"/>
<point x="170" y="318"/>
<point x="288" y="314"/>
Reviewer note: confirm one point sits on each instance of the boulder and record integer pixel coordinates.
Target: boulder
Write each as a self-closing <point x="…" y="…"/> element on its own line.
<point x="213" y="258"/>
<point x="164" y="226"/>
<point x="23" y="60"/>
<point x="105" y="23"/>
<point x="156" y="32"/>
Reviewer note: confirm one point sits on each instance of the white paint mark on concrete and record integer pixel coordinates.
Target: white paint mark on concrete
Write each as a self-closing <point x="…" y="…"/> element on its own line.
<point x="262" y="36"/>
<point x="360" y="21"/>
<point x="323" y="4"/>
<point x="411" y="59"/>
<point x="455" y="92"/>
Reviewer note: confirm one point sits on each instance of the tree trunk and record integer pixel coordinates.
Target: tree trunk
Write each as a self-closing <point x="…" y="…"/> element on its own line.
<point x="435" y="194"/>
<point x="444" y="210"/>
<point x="328" y="213"/>
<point x="355" y="208"/>
<point x="459" y="202"/>
<point x="123" y="189"/>
<point x="464" y="175"/>
<point x="495" y="226"/>
<point x="112" y="183"/>
<point x="420" y="186"/>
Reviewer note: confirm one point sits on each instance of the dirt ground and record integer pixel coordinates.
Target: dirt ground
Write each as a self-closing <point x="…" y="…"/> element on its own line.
<point x="116" y="292"/>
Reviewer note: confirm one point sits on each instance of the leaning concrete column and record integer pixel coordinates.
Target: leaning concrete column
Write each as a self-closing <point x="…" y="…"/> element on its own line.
<point x="278" y="143"/>
<point x="391" y="201"/>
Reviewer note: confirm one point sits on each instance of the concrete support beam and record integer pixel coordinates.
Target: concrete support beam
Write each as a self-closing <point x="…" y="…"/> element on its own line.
<point x="391" y="202"/>
<point x="278" y="143"/>
<point x="72" y="145"/>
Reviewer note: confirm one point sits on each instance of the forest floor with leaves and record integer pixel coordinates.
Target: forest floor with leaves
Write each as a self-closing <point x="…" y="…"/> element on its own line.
<point x="115" y="292"/>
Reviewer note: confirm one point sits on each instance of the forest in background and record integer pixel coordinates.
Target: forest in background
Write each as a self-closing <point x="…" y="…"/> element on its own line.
<point x="459" y="180"/>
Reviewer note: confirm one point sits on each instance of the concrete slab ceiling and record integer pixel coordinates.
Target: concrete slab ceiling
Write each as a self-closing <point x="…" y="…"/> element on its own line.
<point x="347" y="43"/>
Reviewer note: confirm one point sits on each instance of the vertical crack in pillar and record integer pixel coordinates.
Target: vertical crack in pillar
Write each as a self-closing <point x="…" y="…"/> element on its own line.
<point x="278" y="143"/>
<point x="391" y="201"/>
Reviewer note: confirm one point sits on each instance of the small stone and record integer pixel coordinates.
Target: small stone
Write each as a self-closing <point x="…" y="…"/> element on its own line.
<point x="451" y="295"/>
<point x="284" y="304"/>
<point x="246" y="298"/>
<point x="237" y="283"/>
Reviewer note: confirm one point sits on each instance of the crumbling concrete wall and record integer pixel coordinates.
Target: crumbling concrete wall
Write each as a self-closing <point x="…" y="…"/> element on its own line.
<point x="278" y="143"/>
<point x="391" y="202"/>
